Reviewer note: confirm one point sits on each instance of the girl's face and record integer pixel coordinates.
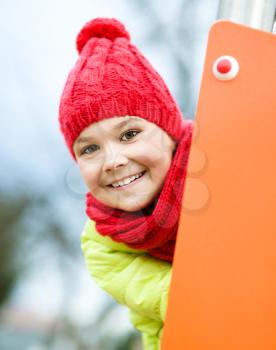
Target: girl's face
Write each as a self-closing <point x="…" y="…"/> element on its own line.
<point x="124" y="161"/>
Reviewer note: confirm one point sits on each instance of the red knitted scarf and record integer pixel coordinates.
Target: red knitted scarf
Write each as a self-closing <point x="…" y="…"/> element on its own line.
<point x="154" y="228"/>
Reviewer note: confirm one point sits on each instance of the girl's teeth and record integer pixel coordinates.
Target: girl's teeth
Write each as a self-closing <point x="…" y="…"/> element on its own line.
<point x="126" y="181"/>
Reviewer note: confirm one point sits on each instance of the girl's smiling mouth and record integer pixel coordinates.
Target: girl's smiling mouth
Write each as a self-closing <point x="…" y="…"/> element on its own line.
<point x="126" y="183"/>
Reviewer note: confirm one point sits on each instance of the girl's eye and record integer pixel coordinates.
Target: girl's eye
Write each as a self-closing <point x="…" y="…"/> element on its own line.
<point x="129" y="135"/>
<point x="89" y="149"/>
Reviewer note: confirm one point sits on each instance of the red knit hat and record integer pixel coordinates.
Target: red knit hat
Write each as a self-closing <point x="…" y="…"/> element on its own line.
<point x="112" y="78"/>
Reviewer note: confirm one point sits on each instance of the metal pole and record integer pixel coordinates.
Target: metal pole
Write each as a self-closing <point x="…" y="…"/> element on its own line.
<point x="258" y="14"/>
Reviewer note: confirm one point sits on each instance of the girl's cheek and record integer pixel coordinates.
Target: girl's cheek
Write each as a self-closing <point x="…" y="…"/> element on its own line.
<point x="90" y="176"/>
<point x="152" y="154"/>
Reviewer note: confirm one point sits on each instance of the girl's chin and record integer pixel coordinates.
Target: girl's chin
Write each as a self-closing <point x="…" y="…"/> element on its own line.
<point x="146" y="205"/>
<point x="129" y="202"/>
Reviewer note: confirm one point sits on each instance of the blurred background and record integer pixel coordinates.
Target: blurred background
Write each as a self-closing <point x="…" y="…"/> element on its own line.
<point x="47" y="299"/>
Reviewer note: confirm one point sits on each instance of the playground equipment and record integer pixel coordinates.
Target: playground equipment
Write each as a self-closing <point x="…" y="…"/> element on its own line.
<point x="223" y="290"/>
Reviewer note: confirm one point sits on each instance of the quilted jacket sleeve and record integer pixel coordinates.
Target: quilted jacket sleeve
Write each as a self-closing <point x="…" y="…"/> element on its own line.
<point x="131" y="276"/>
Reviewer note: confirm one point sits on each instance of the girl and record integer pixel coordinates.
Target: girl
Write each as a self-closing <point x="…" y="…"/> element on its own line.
<point x="126" y="133"/>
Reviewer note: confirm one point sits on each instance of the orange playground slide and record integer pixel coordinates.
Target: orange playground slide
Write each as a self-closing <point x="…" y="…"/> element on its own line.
<point x="223" y="291"/>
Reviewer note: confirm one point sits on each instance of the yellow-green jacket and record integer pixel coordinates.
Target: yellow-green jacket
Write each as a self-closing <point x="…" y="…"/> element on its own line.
<point x="133" y="278"/>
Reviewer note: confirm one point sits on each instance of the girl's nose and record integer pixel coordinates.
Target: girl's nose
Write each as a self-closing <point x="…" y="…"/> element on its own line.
<point x="114" y="160"/>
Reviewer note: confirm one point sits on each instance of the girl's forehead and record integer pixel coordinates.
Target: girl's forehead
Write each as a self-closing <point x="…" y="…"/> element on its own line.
<point x="112" y="124"/>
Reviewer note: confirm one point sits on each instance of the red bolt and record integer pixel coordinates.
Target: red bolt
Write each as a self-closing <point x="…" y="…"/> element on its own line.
<point x="224" y="66"/>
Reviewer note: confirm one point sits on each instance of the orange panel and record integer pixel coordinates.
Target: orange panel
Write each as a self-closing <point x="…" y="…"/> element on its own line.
<point x="223" y="291"/>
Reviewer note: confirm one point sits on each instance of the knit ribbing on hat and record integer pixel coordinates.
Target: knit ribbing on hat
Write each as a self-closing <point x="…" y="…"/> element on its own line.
<point x="112" y="78"/>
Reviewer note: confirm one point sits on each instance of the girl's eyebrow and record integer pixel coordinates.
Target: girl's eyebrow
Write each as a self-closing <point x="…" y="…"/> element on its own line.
<point x="125" y="122"/>
<point x="83" y="139"/>
<point x="116" y="127"/>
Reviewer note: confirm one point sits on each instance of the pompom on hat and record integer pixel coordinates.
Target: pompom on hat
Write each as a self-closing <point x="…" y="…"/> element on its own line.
<point x="101" y="28"/>
<point x="111" y="78"/>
